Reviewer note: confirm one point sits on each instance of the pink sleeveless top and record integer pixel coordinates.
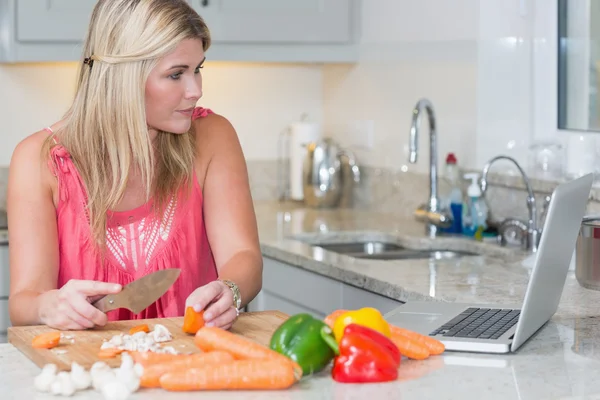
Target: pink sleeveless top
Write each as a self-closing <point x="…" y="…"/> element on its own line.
<point x="137" y="242"/>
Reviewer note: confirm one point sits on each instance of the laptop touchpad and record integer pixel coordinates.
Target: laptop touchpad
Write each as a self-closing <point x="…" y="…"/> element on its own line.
<point x="417" y="320"/>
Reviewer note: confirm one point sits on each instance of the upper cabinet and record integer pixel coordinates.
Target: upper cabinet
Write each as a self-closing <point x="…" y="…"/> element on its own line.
<point x="241" y="30"/>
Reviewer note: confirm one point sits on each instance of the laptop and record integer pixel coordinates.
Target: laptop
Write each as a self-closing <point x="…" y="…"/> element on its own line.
<point x="503" y="328"/>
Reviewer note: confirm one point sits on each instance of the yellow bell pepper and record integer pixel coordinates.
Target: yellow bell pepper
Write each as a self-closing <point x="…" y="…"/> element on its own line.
<point x="367" y="316"/>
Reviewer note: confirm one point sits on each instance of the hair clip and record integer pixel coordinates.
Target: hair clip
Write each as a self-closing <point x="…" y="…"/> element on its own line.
<point x="89" y="61"/>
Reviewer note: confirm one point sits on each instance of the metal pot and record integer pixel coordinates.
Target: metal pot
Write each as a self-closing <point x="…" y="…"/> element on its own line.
<point x="587" y="253"/>
<point x="324" y="182"/>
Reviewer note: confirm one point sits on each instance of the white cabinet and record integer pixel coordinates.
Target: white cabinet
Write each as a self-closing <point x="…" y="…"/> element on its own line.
<point x="294" y="290"/>
<point x="52" y="20"/>
<point x="242" y="30"/>
<point x="277" y="21"/>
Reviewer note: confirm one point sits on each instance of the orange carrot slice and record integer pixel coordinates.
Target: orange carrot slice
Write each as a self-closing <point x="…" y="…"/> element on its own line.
<point x="192" y="320"/>
<point x="109" y="353"/>
<point x="434" y="346"/>
<point x="241" y="374"/>
<point x="47" y="340"/>
<point x="211" y="338"/>
<point x="147" y="358"/>
<point x="139" y="328"/>
<point x="152" y="373"/>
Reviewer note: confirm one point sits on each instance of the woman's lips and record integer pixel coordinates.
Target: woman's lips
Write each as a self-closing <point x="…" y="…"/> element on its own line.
<point x="187" y="112"/>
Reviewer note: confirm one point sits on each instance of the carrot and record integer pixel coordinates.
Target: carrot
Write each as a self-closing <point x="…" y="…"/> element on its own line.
<point x="152" y="373"/>
<point x="410" y="348"/>
<point x="211" y="338"/>
<point x="147" y="358"/>
<point x="109" y="353"/>
<point x="330" y="319"/>
<point x="266" y="374"/>
<point x="47" y="340"/>
<point x="434" y="346"/>
<point x="139" y="328"/>
<point x="192" y="320"/>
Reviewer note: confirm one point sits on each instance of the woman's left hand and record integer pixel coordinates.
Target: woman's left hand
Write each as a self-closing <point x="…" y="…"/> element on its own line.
<point x="216" y="299"/>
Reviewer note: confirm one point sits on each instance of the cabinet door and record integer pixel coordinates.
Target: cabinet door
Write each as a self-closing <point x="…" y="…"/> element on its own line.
<point x="306" y="289"/>
<point x="53" y="20"/>
<point x="354" y="298"/>
<point x="266" y="301"/>
<point x="277" y="21"/>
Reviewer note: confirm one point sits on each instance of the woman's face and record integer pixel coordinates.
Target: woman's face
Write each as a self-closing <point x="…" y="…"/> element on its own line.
<point x="174" y="87"/>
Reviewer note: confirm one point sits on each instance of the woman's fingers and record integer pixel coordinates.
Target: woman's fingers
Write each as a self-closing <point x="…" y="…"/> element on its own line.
<point x="80" y="304"/>
<point x="202" y="297"/>
<point x="77" y="319"/>
<point x="226" y="319"/>
<point x="220" y="306"/>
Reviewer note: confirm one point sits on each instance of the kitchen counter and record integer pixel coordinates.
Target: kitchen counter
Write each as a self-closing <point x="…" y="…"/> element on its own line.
<point x="559" y="362"/>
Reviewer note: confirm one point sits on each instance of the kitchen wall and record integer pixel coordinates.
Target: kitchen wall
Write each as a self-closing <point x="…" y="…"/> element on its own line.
<point x="470" y="58"/>
<point x="260" y="100"/>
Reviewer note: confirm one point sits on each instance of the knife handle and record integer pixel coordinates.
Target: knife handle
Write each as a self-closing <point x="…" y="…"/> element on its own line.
<point x="105" y="303"/>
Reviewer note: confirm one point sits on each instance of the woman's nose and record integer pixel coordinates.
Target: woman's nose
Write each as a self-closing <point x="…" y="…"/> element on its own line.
<point x="193" y="90"/>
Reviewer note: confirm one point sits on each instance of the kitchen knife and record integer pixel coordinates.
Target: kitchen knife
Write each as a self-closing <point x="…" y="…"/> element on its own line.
<point x="140" y="293"/>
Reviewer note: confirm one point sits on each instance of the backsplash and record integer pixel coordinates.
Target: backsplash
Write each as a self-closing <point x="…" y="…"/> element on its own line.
<point x="401" y="192"/>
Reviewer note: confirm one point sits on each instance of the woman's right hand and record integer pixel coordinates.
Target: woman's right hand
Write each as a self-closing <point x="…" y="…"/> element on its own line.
<point x="70" y="308"/>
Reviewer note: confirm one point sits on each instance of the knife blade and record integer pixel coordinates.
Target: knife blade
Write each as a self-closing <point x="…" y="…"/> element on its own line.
<point x="139" y="294"/>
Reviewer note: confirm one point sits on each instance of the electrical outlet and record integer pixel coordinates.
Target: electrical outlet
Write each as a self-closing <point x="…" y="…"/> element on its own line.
<point x="361" y="134"/>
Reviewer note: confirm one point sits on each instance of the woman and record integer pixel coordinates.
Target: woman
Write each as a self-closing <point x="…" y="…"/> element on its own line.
<point x="132" y="180"/>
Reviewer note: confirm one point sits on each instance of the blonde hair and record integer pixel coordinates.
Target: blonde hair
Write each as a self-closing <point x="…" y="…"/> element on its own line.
<point x="105" y="129"/>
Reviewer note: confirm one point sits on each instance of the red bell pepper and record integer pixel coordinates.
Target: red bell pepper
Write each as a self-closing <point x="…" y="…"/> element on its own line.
<point x="365" y="355"/>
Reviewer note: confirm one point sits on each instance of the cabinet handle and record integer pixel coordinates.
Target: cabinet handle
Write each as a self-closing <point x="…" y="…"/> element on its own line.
<point x="204" y="3"/>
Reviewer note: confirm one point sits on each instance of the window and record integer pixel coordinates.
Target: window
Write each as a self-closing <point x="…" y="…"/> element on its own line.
<point x="578" y="65"/>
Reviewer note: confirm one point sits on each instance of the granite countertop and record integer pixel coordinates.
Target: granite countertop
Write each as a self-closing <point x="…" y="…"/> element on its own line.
<point x="559" y="362"/>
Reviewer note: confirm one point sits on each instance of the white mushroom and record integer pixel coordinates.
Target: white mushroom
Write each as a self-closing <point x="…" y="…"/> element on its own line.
<point x="44" y="380"/>
<point x="115" y="390"/>
<point x="81" y="378"/>
<point x="127" y="373"/>
<point x="101" y="373"/>
<point x="62" y="385"/>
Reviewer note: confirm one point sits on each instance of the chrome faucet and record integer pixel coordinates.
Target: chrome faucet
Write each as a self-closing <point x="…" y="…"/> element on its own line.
<point x="532" y="232"/>
<point x="430" y="213"/>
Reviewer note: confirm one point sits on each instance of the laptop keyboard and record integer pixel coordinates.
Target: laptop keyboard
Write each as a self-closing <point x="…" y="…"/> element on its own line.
<point x="480" y="323"/>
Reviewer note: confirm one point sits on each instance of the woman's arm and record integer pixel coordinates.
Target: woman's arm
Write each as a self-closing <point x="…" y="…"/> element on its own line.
<point x="33" y="241"/>
<point x="33" y="246"/>
<point x="229" y="213"/>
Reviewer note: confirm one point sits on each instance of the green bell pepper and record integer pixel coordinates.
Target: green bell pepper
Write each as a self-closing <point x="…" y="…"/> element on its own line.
<point x="304" y="339"/>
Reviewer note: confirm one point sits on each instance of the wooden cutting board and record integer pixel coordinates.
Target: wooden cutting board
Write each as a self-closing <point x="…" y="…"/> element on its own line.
<point x="83" y="346"/>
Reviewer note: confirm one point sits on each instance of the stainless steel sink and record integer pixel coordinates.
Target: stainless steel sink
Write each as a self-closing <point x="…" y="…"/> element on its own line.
<point x="378" y="250"/>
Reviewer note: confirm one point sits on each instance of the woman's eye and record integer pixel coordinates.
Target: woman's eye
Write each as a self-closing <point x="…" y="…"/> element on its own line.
<point x="175" y="76"/>
<point x="198" y="69"/>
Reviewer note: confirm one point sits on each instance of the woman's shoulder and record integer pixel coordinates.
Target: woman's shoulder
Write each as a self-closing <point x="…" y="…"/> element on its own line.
<point x="31" y="147"/>
<point x="211" y="128"/>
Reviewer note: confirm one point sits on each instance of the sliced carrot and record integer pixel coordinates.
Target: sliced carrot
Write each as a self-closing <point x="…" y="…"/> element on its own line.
<point x="192" y="320"/>
<point x="152" y="373"/>
<point x="47" y="340"/>
<point x="147" y="358"/>
<point x="211" y="338"/>
<point x="109" y="353"/>
<point x="434" y="346"/>
<point x="266" y="374"/>
<point x="139" y="328"/>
